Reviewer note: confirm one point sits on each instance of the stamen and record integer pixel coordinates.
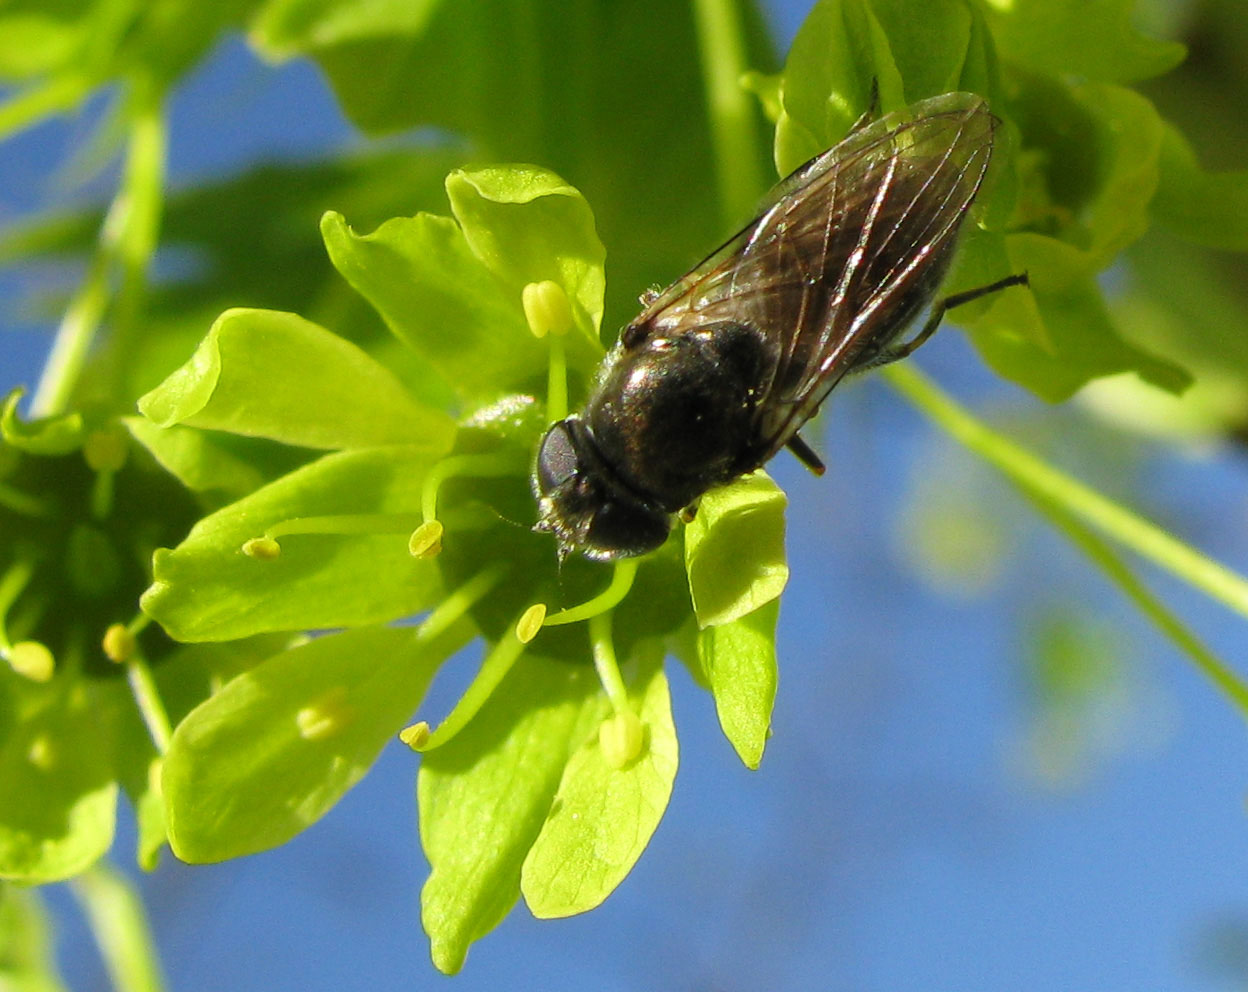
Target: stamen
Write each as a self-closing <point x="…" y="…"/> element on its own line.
<point x="325" y="717"/>
<point x="495" y="666"/>
<point x="29" y="659"/>
<point x="426" y="540"/>
<point x="415" y="736"/>
<point x="621" y="736"/>
<point x="531" y="622"/>
<point x="612" y="596"/>
<point x="266" y="547"/>
<point x="457" y="603"/>
<point x="262" y="548"/>
<point x="23" y="503"/>
<point x="456" y="466"/>
<point x="547" y="308"/>
<point x="119" y="643"/>
<point x="462" y="466"/>
<point x="105" y="453"/>
<point x="42" y="753"/>
<point x="344" y="523"/>
<point x="605" y="662"/>
<point x="147" y="698"/>
<point x="548" y="311"/>
<point x="557" y="382"/>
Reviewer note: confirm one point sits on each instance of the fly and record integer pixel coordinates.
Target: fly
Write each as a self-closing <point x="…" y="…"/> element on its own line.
<point x="722" y="368"/>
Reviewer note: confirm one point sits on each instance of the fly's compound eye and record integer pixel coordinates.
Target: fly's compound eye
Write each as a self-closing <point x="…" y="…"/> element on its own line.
<point x="557" y="461"/>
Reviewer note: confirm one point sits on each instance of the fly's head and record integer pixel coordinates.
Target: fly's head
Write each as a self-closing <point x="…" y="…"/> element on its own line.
<point x="581" y="504"/>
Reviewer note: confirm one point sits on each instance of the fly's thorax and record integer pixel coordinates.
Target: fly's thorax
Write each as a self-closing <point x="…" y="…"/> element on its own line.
<point x="674" y="415"/>
<point x="584" y="505"/>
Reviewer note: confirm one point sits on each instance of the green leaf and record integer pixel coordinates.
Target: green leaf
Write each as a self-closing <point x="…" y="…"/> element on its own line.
<point x="263" y="373"/>
<point x="57" y="795"/>
<point x="27" y="963"/>
<point x="551" y="83"/>
<point x="734" y="550"/>
<point x="45" y="37"/>
<point x="839" y="49"/>
<point x="1059" y="336"/>
<point x="169" y="37"/>
<point x="435" y="294"/>
<point x="1092" y="39"/>
<point x="603" y="817"/>
<point x="765" y="86"/>
<point x="57" y="435"/>
<point x="911" y="51"/>
<point x="206" y="589"/>
<point x="184" y="679"/>
<point x="485" y="794"/>
<point x="738" y="661"/>
<point x="1210" y="208"/>
<point x="1129" y="139"/>
<point x="528" y="225"/>
<point x="928" y="43"/>
<point x="197" y="459"/>
<point x="284" y="27"/>
<point x="273" y="751"/>
<point x="37" y="37"/>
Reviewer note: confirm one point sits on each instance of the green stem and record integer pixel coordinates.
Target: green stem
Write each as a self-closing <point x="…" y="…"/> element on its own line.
<point x="467" y="466"/>
<point x="494" y="667"/>
<point x="345" y="523"/>
<point x="608" y="599"/>
<point x="557" y="379"/>
<point x="1050" y="484"/>
<point x="147" y="698"/>
<point x="23" y="503"/>
<point x="605" y="662"/>
<point x="457" y="603"/>
<point x="1213" y="668"/>
<point x="12" y="582"/>
<point x="732" y="111"/>
<point x="73" y="339"/>
<point x="127" y="242"/>
<point x="142" y="190"/>
<point x="34" y="103"/>
<point x="119" y="924"/>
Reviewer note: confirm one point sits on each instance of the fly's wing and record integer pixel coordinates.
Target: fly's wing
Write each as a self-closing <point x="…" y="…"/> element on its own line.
<point x="848" y="250"/>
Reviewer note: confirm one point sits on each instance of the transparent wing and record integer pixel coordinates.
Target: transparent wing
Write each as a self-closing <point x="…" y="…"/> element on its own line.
<point x="846" y="252"/>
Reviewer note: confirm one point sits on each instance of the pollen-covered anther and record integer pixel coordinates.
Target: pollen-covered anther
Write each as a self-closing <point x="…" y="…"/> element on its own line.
<point x="426" y="540"/>
<point x="530" y="622"/>
<point x="42" y="753"/>
<point x="262" y="548"/>
<point x="118" y="643"/>
<point x="547" y="308"/>
<point x="105" y="451"/>
<point x="325" y="717"/>
<point x="622" y="738"/>
<point x="31" y="660"/>
<point x="415" y="736"/>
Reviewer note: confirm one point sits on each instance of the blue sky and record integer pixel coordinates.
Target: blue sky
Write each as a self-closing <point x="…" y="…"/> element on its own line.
<point x="896" y="835"/>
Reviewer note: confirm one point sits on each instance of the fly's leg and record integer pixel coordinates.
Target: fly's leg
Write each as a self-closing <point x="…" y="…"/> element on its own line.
<point x="806" y="455"/>
<point x="938" y="314"/>
<point x="873" y="107"/>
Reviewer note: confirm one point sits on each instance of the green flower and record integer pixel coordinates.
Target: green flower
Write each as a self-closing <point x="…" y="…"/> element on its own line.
<point x="538" y="782"/>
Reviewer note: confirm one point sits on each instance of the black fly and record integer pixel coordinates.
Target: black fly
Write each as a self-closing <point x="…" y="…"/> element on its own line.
<point x="723" y="367"/>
